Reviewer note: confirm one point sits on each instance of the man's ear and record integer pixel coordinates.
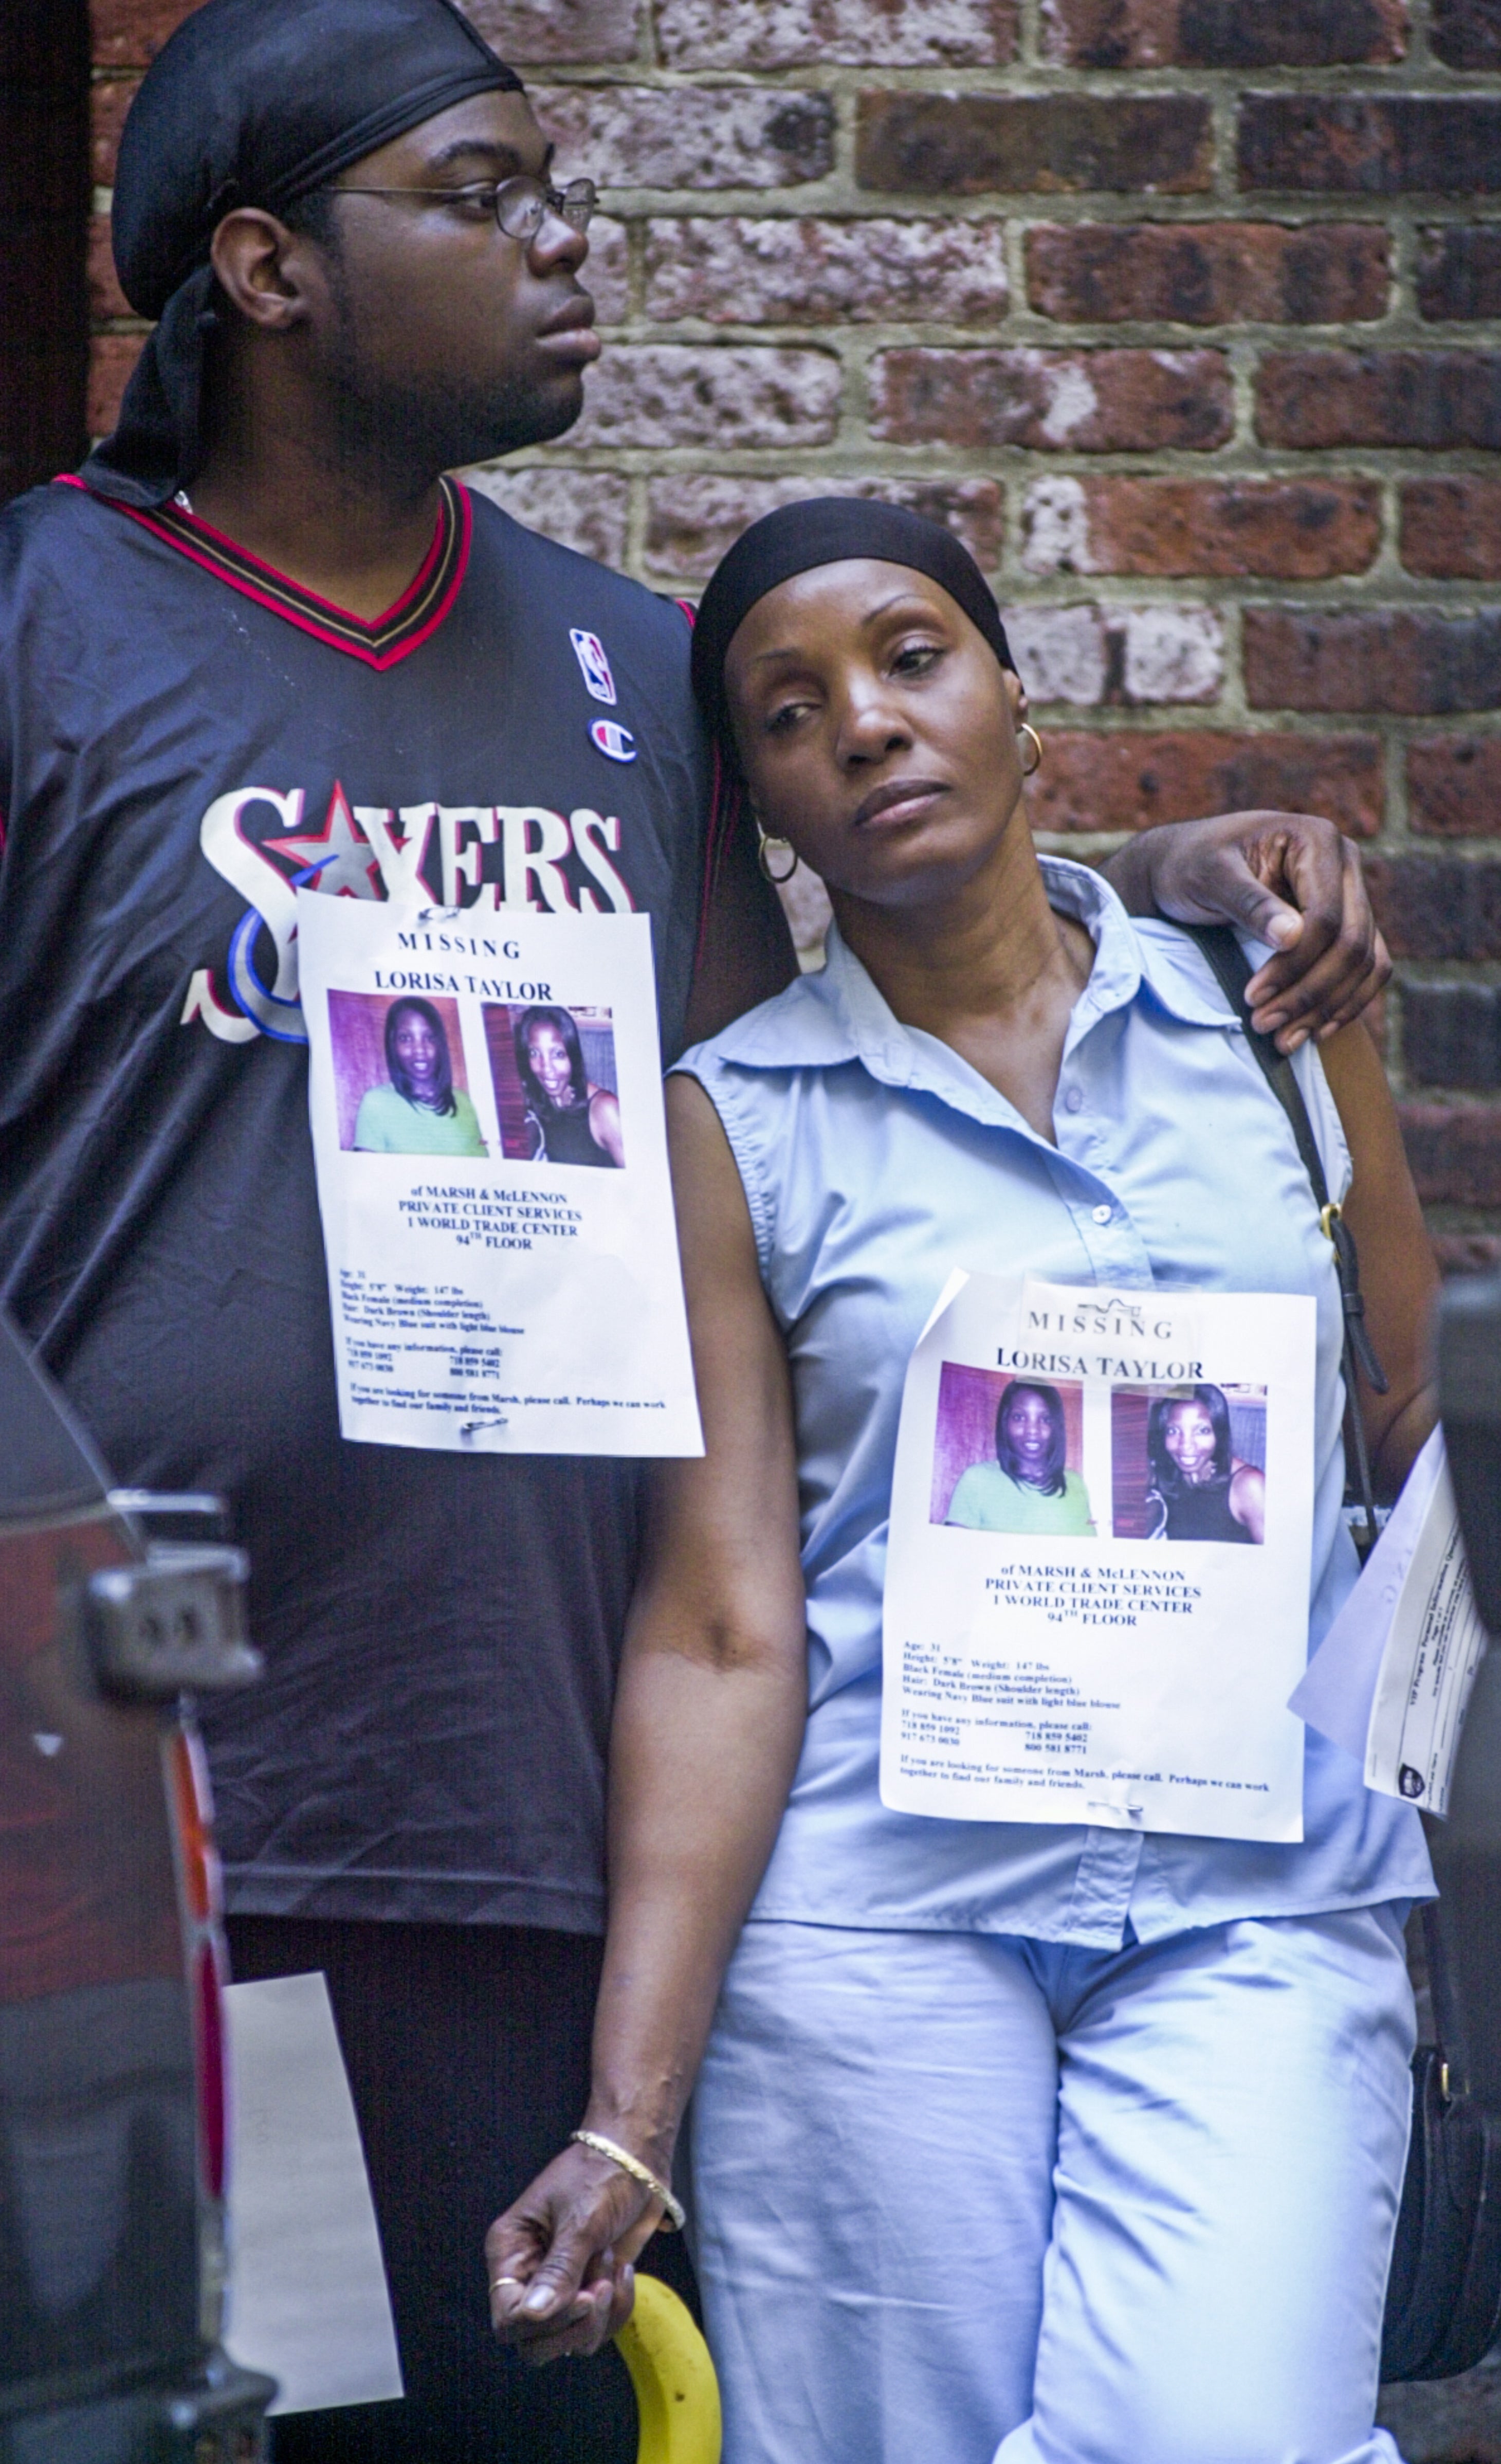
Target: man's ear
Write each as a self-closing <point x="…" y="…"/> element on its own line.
<point x="263" y="269"/>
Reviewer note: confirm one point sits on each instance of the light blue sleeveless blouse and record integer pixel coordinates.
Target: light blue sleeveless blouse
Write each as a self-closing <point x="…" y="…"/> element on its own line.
<point x="873" y="1159"/>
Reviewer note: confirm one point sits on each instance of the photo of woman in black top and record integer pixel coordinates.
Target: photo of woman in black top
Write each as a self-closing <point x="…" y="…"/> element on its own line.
<point x="569" y="1118"/>
<point x="1200" y="1488"/>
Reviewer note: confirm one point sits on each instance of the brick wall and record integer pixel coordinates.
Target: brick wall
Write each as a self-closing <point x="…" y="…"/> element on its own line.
<point x="1185" y="314"/>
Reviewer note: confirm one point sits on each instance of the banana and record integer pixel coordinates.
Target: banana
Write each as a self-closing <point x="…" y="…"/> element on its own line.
<point x="677" y="2393"/>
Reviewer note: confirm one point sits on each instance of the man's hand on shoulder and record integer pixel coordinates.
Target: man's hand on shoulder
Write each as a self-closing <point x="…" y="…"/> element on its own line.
<point x="1288" y="878"/>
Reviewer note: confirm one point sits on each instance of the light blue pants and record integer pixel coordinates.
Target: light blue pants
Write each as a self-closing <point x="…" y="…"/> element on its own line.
<point x="961" y="2197"/>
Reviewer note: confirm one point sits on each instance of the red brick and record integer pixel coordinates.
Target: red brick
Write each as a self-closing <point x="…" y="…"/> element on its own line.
<point x="1451" y="1034"/>
<point x="1222" y="33"/>
<point x="860" y="34"/>
<point x="1084" y="402"/>
<point x="606" y="273"/>
<point x="1115" y="657"/>
<point x="692" y="518"/>
<point x="105" y="295"/>
<point x="720" y="137"/>
<point x="1467" y="34"/>
<point x="1437" y="905"/>
<point x="1301" y="530"/>
<point x="662" y="394"/>
<point x="1406" y="659"/>
<point x="111" y="358"/>
<point x="1209" y="274"/>
<point x="1454" y="1152"/>
<point x="1453" y="527"/>
<point x="109" y="100"/>
<point x="585" y="30"/>
<point x="965" y="145"/>
<point x="129" y="33"/>
<point x="1375" y="145"/>
<point x="1458" y="272"/>
<point x="780" y="272"/>
<point x="1439" y="399"/>
<point x="1126" y="781"/>
<point x="1454" y="786"/>
<point x="584" y="510"/>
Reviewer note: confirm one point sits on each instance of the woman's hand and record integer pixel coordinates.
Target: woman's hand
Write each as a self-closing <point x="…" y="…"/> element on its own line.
<point x="1288" y="878"/>
<point x="559" y="2260"/>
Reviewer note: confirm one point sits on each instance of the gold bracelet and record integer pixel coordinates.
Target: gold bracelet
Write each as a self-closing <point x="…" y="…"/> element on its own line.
<point x="676" y="2215"/>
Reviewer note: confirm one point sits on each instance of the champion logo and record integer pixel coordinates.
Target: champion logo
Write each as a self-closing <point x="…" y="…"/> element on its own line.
<point x="593" y="665"/>
<point x="616" y="742"/>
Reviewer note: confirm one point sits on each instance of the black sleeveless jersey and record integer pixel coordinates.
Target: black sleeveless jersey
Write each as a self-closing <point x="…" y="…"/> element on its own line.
<point x="182" y="732"/>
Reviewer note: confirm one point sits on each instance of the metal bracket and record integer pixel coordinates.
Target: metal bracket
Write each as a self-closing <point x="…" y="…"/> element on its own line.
<point x="174" y="1625"/>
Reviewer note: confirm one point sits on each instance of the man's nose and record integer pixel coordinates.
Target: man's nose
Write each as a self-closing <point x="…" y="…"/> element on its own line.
<point x="556" y="244"/>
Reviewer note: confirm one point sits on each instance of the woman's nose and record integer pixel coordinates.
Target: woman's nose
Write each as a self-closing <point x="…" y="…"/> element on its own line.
<point x="871" y="731"/>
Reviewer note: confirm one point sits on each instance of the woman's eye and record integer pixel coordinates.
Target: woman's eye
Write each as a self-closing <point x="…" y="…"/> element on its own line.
<point x="915" y="658"/>
<point x="785" y="716"/>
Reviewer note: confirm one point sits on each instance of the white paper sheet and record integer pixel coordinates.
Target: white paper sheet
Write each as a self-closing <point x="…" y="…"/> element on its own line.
<point x="308" y="2299"/>
<point x="1104" y="1676"/>
<point x="496" y="1297"/>
<point x="1392" y="1679"/>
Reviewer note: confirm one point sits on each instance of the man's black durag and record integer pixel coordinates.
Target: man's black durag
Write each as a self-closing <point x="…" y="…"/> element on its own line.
<point x="252" y="103"/>
<point x="827" y="530"/>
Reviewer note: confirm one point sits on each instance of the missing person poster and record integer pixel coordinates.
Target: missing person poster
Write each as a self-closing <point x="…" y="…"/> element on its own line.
<point x="1097" y="1585"/>
<point x="488" y="1128"/>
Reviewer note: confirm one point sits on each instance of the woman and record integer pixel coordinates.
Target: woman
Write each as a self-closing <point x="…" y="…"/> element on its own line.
<point x="570" y="1120"/>
<point x="1008" y="2141"/>
<point x="1199" y="1489"/>
<point x="1029" y="1487"/>
<point x="422" y="1111"/>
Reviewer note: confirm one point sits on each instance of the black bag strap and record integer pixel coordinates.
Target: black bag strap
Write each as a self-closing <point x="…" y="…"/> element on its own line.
<point x="1232" y="971"/>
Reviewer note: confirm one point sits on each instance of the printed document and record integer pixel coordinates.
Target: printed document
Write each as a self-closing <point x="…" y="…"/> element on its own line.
<point x="1392" y="1679"/>
<point x="488" y="1128"/>
<point x="1096" y="1586"/>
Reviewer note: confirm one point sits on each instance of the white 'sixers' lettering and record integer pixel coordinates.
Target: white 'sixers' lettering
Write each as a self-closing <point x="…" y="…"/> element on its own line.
<point x="370" y="851"/>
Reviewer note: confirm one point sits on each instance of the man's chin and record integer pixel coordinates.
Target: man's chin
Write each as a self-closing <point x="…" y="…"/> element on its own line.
<point x="551" y="407"/>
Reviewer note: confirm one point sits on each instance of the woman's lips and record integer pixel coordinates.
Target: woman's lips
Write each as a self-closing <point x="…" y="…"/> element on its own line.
<point x="900" y="800"/>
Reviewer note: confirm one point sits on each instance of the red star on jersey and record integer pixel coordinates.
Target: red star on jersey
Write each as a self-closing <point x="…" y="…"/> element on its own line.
<point x="353" y="872"/>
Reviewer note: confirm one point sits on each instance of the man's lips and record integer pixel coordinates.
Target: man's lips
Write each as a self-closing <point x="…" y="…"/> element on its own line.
<point x="567" y="333"/>
<point x="900" y="800"/>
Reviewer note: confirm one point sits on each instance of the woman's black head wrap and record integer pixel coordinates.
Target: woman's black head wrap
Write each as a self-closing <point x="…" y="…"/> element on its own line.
<point x="252" y="103"/>
<point x="828" y="530"/>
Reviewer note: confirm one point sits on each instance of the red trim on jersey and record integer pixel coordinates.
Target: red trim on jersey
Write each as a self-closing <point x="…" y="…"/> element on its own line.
<point x="406" y="625"/>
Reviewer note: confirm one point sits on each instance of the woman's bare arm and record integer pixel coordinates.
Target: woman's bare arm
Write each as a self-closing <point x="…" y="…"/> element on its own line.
<point x="1397" y="1275"/>
<point x="708" y="1724"/>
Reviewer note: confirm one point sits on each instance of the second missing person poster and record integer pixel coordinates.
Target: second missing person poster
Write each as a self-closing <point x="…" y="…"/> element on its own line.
<point x="1097" y="1586"/>
<point x="488" y="1128"/>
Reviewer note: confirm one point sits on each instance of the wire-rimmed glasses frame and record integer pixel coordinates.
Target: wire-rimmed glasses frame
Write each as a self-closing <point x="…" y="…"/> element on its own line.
<point x="521" y="205"/>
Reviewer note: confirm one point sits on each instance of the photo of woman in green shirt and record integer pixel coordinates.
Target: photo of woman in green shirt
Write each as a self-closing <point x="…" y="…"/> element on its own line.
<point x="422" y="1111"/>
<point x="1029" y="1487"/>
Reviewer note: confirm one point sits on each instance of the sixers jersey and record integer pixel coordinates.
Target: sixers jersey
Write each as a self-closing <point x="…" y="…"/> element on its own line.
<point x="184" y="734"/>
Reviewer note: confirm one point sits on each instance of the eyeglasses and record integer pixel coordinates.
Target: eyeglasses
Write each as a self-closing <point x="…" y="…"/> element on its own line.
<point x="520" y="207"/>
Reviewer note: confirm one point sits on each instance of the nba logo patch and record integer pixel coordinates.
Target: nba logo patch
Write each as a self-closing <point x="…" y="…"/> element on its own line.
<point x="616" y="742"/>
<point x="593" y="665"/>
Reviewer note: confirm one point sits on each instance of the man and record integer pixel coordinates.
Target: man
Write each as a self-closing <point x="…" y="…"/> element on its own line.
<point x="263" y="633"/>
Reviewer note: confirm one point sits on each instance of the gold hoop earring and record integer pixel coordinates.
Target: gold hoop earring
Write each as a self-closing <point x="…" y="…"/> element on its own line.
<point x="1031" y="769"/>
<point x="762" y="845"/>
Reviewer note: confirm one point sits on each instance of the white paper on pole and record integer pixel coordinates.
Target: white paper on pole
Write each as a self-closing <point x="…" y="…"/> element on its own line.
<point x="308" y="2298"/>
<point x="1337" y="1688"/>
<point x="1104" y="1676"/>
<point x="1392" y="1679"/>
<point x="488" y="1296"/>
